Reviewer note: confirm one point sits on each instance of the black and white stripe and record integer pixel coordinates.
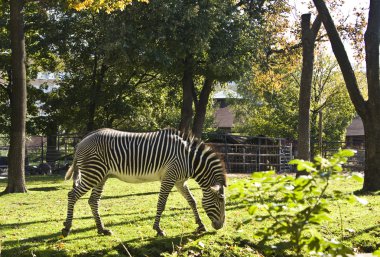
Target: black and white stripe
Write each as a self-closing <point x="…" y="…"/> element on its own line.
<point x="166" y="155"/>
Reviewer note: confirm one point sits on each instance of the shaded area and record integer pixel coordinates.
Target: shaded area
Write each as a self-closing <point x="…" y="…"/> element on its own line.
<point x="140" y="194"/>
<point x="155" y="246"/>
<point x="45" y="189"/>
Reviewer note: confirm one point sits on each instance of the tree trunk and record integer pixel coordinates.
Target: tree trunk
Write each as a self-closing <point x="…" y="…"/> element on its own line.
<point x="97" y="80"/>
<point x="16" y="162"/>
<point x="369" y="110"/>
<point x="372" y="120"/>
<point x="187" y="97"/>
<point x="313" y="133"/>
<point x="372" y="153"/>
<point x="201" y="108"/>
<point x="308" y="42"/>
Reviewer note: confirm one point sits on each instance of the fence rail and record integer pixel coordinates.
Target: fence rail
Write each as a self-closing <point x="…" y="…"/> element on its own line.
<point x="247" y="158"/>
<point x="57" y="153"/>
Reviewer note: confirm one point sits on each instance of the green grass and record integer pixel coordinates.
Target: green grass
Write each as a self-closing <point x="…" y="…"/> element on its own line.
<point x="30" y="224"/>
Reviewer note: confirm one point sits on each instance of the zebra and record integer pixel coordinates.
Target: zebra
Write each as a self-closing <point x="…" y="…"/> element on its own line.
<point x="167" y="155"/>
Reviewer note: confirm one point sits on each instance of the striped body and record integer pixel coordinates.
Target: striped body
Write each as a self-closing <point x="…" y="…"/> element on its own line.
<point x="165" y="156"/>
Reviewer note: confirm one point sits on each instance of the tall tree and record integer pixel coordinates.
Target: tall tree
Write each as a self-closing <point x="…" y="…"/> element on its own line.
<point x="16" y="169"/>
<point x="368" y="110"/>
<point x="309" y="35"/>
<point x="200" y="42"/>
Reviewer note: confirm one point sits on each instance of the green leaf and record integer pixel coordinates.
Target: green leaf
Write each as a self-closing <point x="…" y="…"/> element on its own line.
<point x="295" y="161"/>
<point x="376" y="253"/>
<point x="252" y="209"/>
<point x="346" y="153"/>
<point x="358" y="177"/>
<point x="305" y="165"/>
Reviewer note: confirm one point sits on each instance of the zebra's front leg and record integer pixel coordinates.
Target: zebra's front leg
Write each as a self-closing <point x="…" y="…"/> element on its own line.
<point x="185" y="192"/>
<point x="166" y="187"/>
<point x="93" y="201"/>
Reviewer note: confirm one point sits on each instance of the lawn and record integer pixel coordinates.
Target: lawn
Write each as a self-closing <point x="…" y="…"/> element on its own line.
<point x="30" y="224"/>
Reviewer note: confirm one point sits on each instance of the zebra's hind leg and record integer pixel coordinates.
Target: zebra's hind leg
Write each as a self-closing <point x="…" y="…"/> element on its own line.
<point x="185" y="192"/>
<point x="73" y="197"/>
<point x="94" y="204"/>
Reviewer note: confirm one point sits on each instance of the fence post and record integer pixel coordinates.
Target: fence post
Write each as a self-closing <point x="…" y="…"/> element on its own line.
<point x="279" y="155"/>
<point x="42" y="149"/>
<point x="259" y="155"/>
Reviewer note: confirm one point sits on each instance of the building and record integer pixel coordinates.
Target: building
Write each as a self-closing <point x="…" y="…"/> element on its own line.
<point x="224" y="115"/>
<point x="355" y="134"/>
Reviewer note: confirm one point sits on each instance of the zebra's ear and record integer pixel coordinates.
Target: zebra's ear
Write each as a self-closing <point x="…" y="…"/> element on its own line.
<point x="215" y="188"/>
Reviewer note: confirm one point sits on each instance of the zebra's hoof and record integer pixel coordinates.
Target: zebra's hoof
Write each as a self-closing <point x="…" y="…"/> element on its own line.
<point x="105" y="232"/>
<point x="65" y="232"/>
<point x="161" y="233"/>
<point x="200" y="229"/>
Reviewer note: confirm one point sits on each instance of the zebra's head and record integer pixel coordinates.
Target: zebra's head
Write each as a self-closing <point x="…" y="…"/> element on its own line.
<point x="213" y="202"/>
<point x="209" y="172"/>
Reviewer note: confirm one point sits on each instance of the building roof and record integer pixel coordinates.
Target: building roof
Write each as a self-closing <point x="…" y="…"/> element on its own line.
<point x="355" y="128"/>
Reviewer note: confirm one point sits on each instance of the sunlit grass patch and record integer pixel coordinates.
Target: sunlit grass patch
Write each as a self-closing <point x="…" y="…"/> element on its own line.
<point x="30" y="224"/>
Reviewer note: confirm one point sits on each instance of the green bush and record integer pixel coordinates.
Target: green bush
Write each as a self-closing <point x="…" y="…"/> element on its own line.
<point x="294" y="208"/>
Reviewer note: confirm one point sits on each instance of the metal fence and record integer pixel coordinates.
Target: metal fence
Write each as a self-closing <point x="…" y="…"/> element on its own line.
<point x="243" y="154"/>
<point x="58" y="152"/>
<point x="355" y="163"/>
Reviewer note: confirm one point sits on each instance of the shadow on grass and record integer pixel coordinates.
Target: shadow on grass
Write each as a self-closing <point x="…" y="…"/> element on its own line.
<point x="360" y="192"/>
<point x="54" y="245"/>
<point x="155" y="246"/>
<point x="105" y="197"/>
<point x="77" y="220"/>
<point x="140" y="194"/>
<point x="363" y="231"/>
<point x="45" y="189"/>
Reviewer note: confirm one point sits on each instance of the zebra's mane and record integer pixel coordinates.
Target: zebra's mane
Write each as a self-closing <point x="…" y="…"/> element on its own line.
<point x="194" y="142"/>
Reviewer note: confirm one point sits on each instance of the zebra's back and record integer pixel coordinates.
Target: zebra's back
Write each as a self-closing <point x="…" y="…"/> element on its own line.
<point x="131" y="157"/>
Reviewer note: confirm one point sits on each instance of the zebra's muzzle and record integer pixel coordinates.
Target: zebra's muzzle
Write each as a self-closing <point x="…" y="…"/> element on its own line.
<point x="217" y="224"/>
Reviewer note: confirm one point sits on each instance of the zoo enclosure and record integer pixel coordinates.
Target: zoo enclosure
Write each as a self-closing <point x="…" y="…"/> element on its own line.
<point x="57" y="150"/>
<point x="243" y="154"/>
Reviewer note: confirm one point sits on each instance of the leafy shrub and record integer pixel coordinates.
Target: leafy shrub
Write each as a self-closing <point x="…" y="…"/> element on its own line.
<point x="294" y="208"/>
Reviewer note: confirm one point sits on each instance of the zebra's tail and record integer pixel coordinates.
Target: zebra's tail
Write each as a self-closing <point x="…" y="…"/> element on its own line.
<point x="71" y="170"/>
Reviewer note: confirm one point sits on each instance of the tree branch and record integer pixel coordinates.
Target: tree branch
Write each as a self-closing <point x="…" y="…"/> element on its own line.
<point x="292" y="47"/>
<point x="316" y="26"/>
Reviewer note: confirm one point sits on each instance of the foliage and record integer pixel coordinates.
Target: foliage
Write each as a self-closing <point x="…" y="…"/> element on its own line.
<point x="273" y="110"/>
<point x="98" y="70"/>
<point x="297" y="207"/>
<point x="216" y="37"/>
<point x="97" y="5"/>
<point x="38" y="57"/>
<point x="127" y="65"/>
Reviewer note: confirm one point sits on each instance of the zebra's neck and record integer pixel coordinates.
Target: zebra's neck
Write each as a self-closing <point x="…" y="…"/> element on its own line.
<point x="208" y="168"/>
